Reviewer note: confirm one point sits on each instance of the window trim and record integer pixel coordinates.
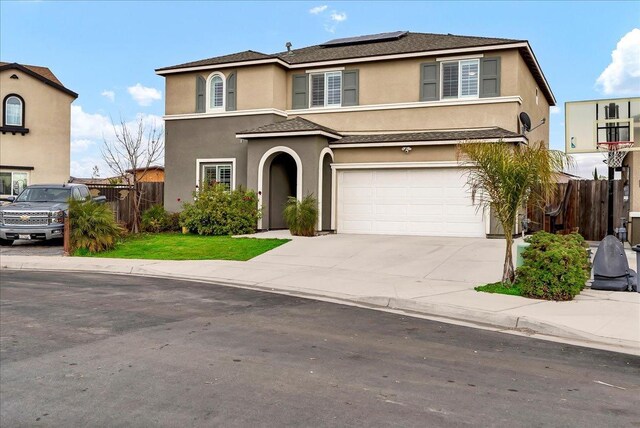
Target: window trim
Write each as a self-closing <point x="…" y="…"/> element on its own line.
<point x="325" y="73"/>
<point x="459" y="96"/>
<point x="13" y="128"/>
<point x="208" y="107"/>
<point x="232" y="161"/>
<point x="12" y="180"/>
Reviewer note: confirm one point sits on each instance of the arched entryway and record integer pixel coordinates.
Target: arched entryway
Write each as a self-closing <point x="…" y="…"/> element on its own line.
<point x="282" y="185"/>
<point x="325" y="185"/>
<point x="279" y="176"/>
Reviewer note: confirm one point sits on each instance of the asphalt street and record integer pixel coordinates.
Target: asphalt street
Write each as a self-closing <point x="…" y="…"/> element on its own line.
<point x="103" y="350"/>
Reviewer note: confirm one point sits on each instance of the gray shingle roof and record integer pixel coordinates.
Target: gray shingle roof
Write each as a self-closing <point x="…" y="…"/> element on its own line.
<point x="224" y="59"/>
<point x="297" y="124"/>
<point x="411" y="42"/>
<point x="454" y="135"/>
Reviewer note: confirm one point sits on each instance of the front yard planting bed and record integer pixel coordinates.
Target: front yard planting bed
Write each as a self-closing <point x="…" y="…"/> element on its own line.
<point x="500" y="288"/>
<point x="175" y="246"/>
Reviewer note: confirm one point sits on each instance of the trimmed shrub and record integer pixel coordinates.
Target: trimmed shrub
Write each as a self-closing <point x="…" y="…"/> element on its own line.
<point x="173" y="222"/>
<point x="217" y="211"/>
<point x="301" y="217"/>
<point x="154" y="219"/>
<point x="93" y="227"/>
<point x="556" y="267"/>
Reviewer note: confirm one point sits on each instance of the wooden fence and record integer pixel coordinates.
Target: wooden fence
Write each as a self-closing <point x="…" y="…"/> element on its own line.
<point x="587" y="208"/>
<point x="119" y="197"/>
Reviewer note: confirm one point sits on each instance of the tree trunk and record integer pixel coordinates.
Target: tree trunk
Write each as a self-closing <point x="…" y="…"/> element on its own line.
<point x="508" y="273"/>
<point x="135" y="224"/>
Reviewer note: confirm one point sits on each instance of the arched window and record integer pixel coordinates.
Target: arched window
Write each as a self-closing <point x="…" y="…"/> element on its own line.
<point x="13" y="111"/>
<point x="215" y="90"/>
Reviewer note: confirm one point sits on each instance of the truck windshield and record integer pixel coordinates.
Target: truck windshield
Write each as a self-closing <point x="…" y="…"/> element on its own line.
<point x="45" y="194"/>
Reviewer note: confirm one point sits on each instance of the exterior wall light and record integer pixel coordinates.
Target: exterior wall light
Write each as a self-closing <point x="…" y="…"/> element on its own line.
<point x="406" y="149"/>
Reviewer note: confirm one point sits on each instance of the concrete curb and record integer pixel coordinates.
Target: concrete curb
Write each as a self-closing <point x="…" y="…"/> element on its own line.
<point x="439" y="312"/>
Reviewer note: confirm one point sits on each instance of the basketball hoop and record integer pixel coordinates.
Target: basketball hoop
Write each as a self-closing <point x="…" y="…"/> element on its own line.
<point x="614" y="152"/>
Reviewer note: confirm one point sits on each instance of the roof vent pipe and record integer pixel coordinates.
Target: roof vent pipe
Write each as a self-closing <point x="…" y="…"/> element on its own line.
<point x="288" y="45"/>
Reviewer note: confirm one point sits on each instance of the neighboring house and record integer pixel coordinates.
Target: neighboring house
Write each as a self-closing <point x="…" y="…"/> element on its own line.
<point x="592" y="124"/>
<point x="565" y="177"/>
<point x="368" y="125"/>
<point x="35" y="135"/>
<point x="153" y="174"/>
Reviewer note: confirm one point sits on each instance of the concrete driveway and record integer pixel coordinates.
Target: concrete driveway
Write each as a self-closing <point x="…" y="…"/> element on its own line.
<point x="33" y="248"/>
<point x="426" y="259"/>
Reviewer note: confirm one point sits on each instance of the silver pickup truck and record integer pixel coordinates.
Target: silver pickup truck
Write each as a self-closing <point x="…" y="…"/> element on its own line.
<point x="39" y="211"/>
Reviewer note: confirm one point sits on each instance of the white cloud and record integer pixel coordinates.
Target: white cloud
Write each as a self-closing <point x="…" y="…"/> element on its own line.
<point x="622" y="76"/>
<point x="88" y="133"/>
<point x="554" y="110"/>
<point x="333" y="20"/>
<point x="109" y="94"/>
<point x="81" y="145"/>
<point x="584" y="164"/>
<point x="338" y="16"/>
<point x="87" y="126"/>
<point x="318" y="9"/>
<point x="144" y="96"/>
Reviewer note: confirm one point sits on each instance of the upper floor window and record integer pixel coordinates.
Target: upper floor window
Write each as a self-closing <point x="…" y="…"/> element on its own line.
<point x="326" y="89"/>
<point x="460" y="79"/>
<point x="215" y="91"/>
<point x="13" y="111"/>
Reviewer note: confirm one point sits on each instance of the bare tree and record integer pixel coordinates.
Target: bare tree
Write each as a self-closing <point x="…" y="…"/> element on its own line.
<point x="134" y="149"/>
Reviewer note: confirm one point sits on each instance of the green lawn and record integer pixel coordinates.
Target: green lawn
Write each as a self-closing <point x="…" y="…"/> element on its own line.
<point x="499" y="288"/>
<point x="175" y="246"/>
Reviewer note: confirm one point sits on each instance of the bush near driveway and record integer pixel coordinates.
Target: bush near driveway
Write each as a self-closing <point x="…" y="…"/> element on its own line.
<point x="301" y="216"/>
<point x="218" y="211"/>
<point x="156" y="219"/>
<point x="556" y="267"/>
<point x="92" y="226"/>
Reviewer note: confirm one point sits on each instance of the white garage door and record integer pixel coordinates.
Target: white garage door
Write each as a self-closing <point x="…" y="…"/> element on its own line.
<point x="428" y="202"/>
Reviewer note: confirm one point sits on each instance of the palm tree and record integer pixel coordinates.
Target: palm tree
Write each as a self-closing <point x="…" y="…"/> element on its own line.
<point x="503" y="177"/>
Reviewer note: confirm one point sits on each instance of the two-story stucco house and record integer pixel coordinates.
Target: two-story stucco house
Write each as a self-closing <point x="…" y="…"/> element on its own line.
<point x="35" y="136"/>
<point x="368" y="125"/>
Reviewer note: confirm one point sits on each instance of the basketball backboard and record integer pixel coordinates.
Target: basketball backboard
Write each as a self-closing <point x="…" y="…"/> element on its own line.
<point x="588" y="123"/>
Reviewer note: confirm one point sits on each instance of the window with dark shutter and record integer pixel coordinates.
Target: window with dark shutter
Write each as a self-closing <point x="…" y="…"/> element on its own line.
<point x="201" y="89"/>
<point x="490" y="77"/>
<point x="300" y="87"/>
<point x="231" y="92"/>
<point x="350" y="96"/>
<point x="429" y="82"/>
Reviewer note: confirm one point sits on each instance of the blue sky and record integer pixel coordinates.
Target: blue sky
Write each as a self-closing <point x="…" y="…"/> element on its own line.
<point x="107" y="51"/>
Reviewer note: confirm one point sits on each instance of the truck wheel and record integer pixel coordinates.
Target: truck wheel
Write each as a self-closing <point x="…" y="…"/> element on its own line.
<point x="5" y="242"/>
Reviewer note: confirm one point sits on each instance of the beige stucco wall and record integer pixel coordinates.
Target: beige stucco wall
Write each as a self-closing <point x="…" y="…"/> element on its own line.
<point x="380" y="82"/>
<point x="46" y="147"/>
<point x="503" y="115"/>
<point x="526" y="88"/>
<point x="398" y="81"/>
<point x="180" y="93"/>
<point x="258" y="87"/>
<point x="395" y="154"/>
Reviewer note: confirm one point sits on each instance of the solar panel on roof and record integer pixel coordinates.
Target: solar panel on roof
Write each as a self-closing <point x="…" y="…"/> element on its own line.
<point x="365" y="39"/>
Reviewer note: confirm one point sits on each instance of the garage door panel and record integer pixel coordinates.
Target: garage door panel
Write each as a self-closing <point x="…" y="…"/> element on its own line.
<point x="425" y="192"/>
<point x="428" y="201"/>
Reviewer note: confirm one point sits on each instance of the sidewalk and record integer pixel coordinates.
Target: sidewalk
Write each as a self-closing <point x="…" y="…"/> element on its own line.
<point x="428" y="277"/>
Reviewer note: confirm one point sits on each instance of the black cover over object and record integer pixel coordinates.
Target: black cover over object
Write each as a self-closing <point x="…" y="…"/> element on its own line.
<point x="611" y="268"/>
